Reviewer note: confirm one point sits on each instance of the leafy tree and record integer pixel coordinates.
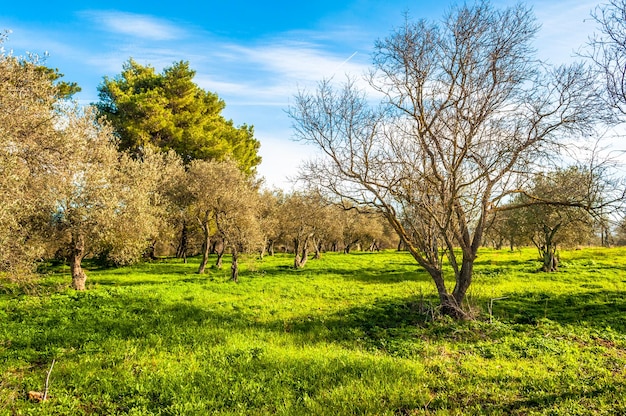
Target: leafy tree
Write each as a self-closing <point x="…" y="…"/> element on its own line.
<point x="303" y="218"/>
<point x="224" y="203"/>
<point x="467" y="109"/>
<point x="269" y="219"/>
<point x="359" y="228"/>
<point x="103" y="199"/>
<point x="169" y="111"/>
<point x="556" y="211"/>
<point x="506" y="225"/>
<point x="31" y="107"/>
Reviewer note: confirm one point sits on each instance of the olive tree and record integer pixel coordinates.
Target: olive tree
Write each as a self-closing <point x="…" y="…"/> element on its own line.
<point x="103" y="199"/>
<point x="31" y="106"/>
<point x="224" y="202"/>
<point x="466" y="111"/>
<point x="553" y="212"/>
<point x="303" y="219"/>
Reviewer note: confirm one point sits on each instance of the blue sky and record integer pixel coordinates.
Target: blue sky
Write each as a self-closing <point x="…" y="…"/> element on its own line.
<point x="255" y="55"/>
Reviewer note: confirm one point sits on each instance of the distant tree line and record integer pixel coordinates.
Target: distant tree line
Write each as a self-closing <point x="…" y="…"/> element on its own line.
<point x="153" y="169"/>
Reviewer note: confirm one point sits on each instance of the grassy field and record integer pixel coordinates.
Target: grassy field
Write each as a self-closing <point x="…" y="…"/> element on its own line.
<point x="347" y="335"/>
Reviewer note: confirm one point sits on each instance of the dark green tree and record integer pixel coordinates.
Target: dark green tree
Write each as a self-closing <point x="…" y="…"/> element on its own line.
<point x="170" y="112"/>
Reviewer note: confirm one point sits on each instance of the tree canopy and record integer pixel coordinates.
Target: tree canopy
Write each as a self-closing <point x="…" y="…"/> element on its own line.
<point x="170" y="112"/>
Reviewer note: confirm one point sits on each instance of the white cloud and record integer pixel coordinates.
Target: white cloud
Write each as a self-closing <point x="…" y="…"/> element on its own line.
<point x="135" y="25"/>
<point x="271" y="71"/>
<point x="565" y="28"/>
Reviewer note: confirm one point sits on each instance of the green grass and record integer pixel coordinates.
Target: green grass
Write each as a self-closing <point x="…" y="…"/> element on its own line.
<point x="349" y="334"/>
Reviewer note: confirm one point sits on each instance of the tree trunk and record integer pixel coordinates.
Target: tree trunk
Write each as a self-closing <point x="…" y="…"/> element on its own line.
<point x="296" y="252"/>
<point x="301" y="253"/>
<point x="220" y="254"/>
<point x="270" y="248"/>
<point x="181" y="250"/>
<point x="263" y="249"/>
<point x="449" y="305"/>
<point x="234" y="267"/>
<point x="550" y="258"/>
<point x="318" y="249"/>
<point x="206" y="246"/>
<point x="149" y="254"/>
<point x="76" y="257"/>
<point x="463" y="280"/>
<point x="548" y="250"/>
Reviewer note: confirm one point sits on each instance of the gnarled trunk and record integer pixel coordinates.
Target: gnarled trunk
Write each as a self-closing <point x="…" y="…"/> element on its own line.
<point x="317" y="244"/>
<point x="463" y="280"/>
<point x="150" y="253"/>
<point x="301" y="253"/>
<point x="550" y="258"/>
<point x="181" y="250"/>
<point x="220" y="254"/>
<point x="547" y="250"/>
<point x="206" y="246"/>
<point x="234" y="266"/>
<point x="77" y="253"/>
<point x="263" y="249"/>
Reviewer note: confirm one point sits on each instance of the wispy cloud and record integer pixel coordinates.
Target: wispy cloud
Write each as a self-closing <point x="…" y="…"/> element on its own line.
<point x="565" y="28"/>
<point x="136" y="25"/>
<point x="272" y="70"/>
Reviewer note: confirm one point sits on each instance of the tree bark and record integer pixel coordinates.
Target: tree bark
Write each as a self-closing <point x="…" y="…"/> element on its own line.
<point x="220" y="254"/>
<point x="550" y="258"/>
<point x="318" y="249"/>
<point x="206" y="246"/>
<point x="263" y="249"/>
<point x="234" y="266"/>
<point x="464" y="279"/>
<point x="77" y="254"/>
<point x="150" y="251"/>
<point x="181" y="250"/>
<point x="301" y="251"/>
<point x="548" y="250"/>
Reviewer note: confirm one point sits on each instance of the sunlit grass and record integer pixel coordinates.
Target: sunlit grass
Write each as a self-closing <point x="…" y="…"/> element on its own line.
<point x="349" y="334"/>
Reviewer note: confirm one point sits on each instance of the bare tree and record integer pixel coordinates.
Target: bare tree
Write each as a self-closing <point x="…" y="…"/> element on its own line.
<point x="467" y="111"/>
<point x="608" y="50"/>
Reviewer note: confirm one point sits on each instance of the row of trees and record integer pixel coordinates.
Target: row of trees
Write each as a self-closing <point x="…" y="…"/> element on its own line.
<point x="152" y="169"/>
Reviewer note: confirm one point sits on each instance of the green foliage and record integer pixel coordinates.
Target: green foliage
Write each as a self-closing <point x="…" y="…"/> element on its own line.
<point x="64" y="90"/>
<point x="350" y="334"/>
<point x="169" y="111"/>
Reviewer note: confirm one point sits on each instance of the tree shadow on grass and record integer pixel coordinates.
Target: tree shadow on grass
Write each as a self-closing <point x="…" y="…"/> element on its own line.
<point x="595" y="308"/>
<point x="546" y="400"/>
<point x="86" y="320"/>
<point x="397" y="326"/>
